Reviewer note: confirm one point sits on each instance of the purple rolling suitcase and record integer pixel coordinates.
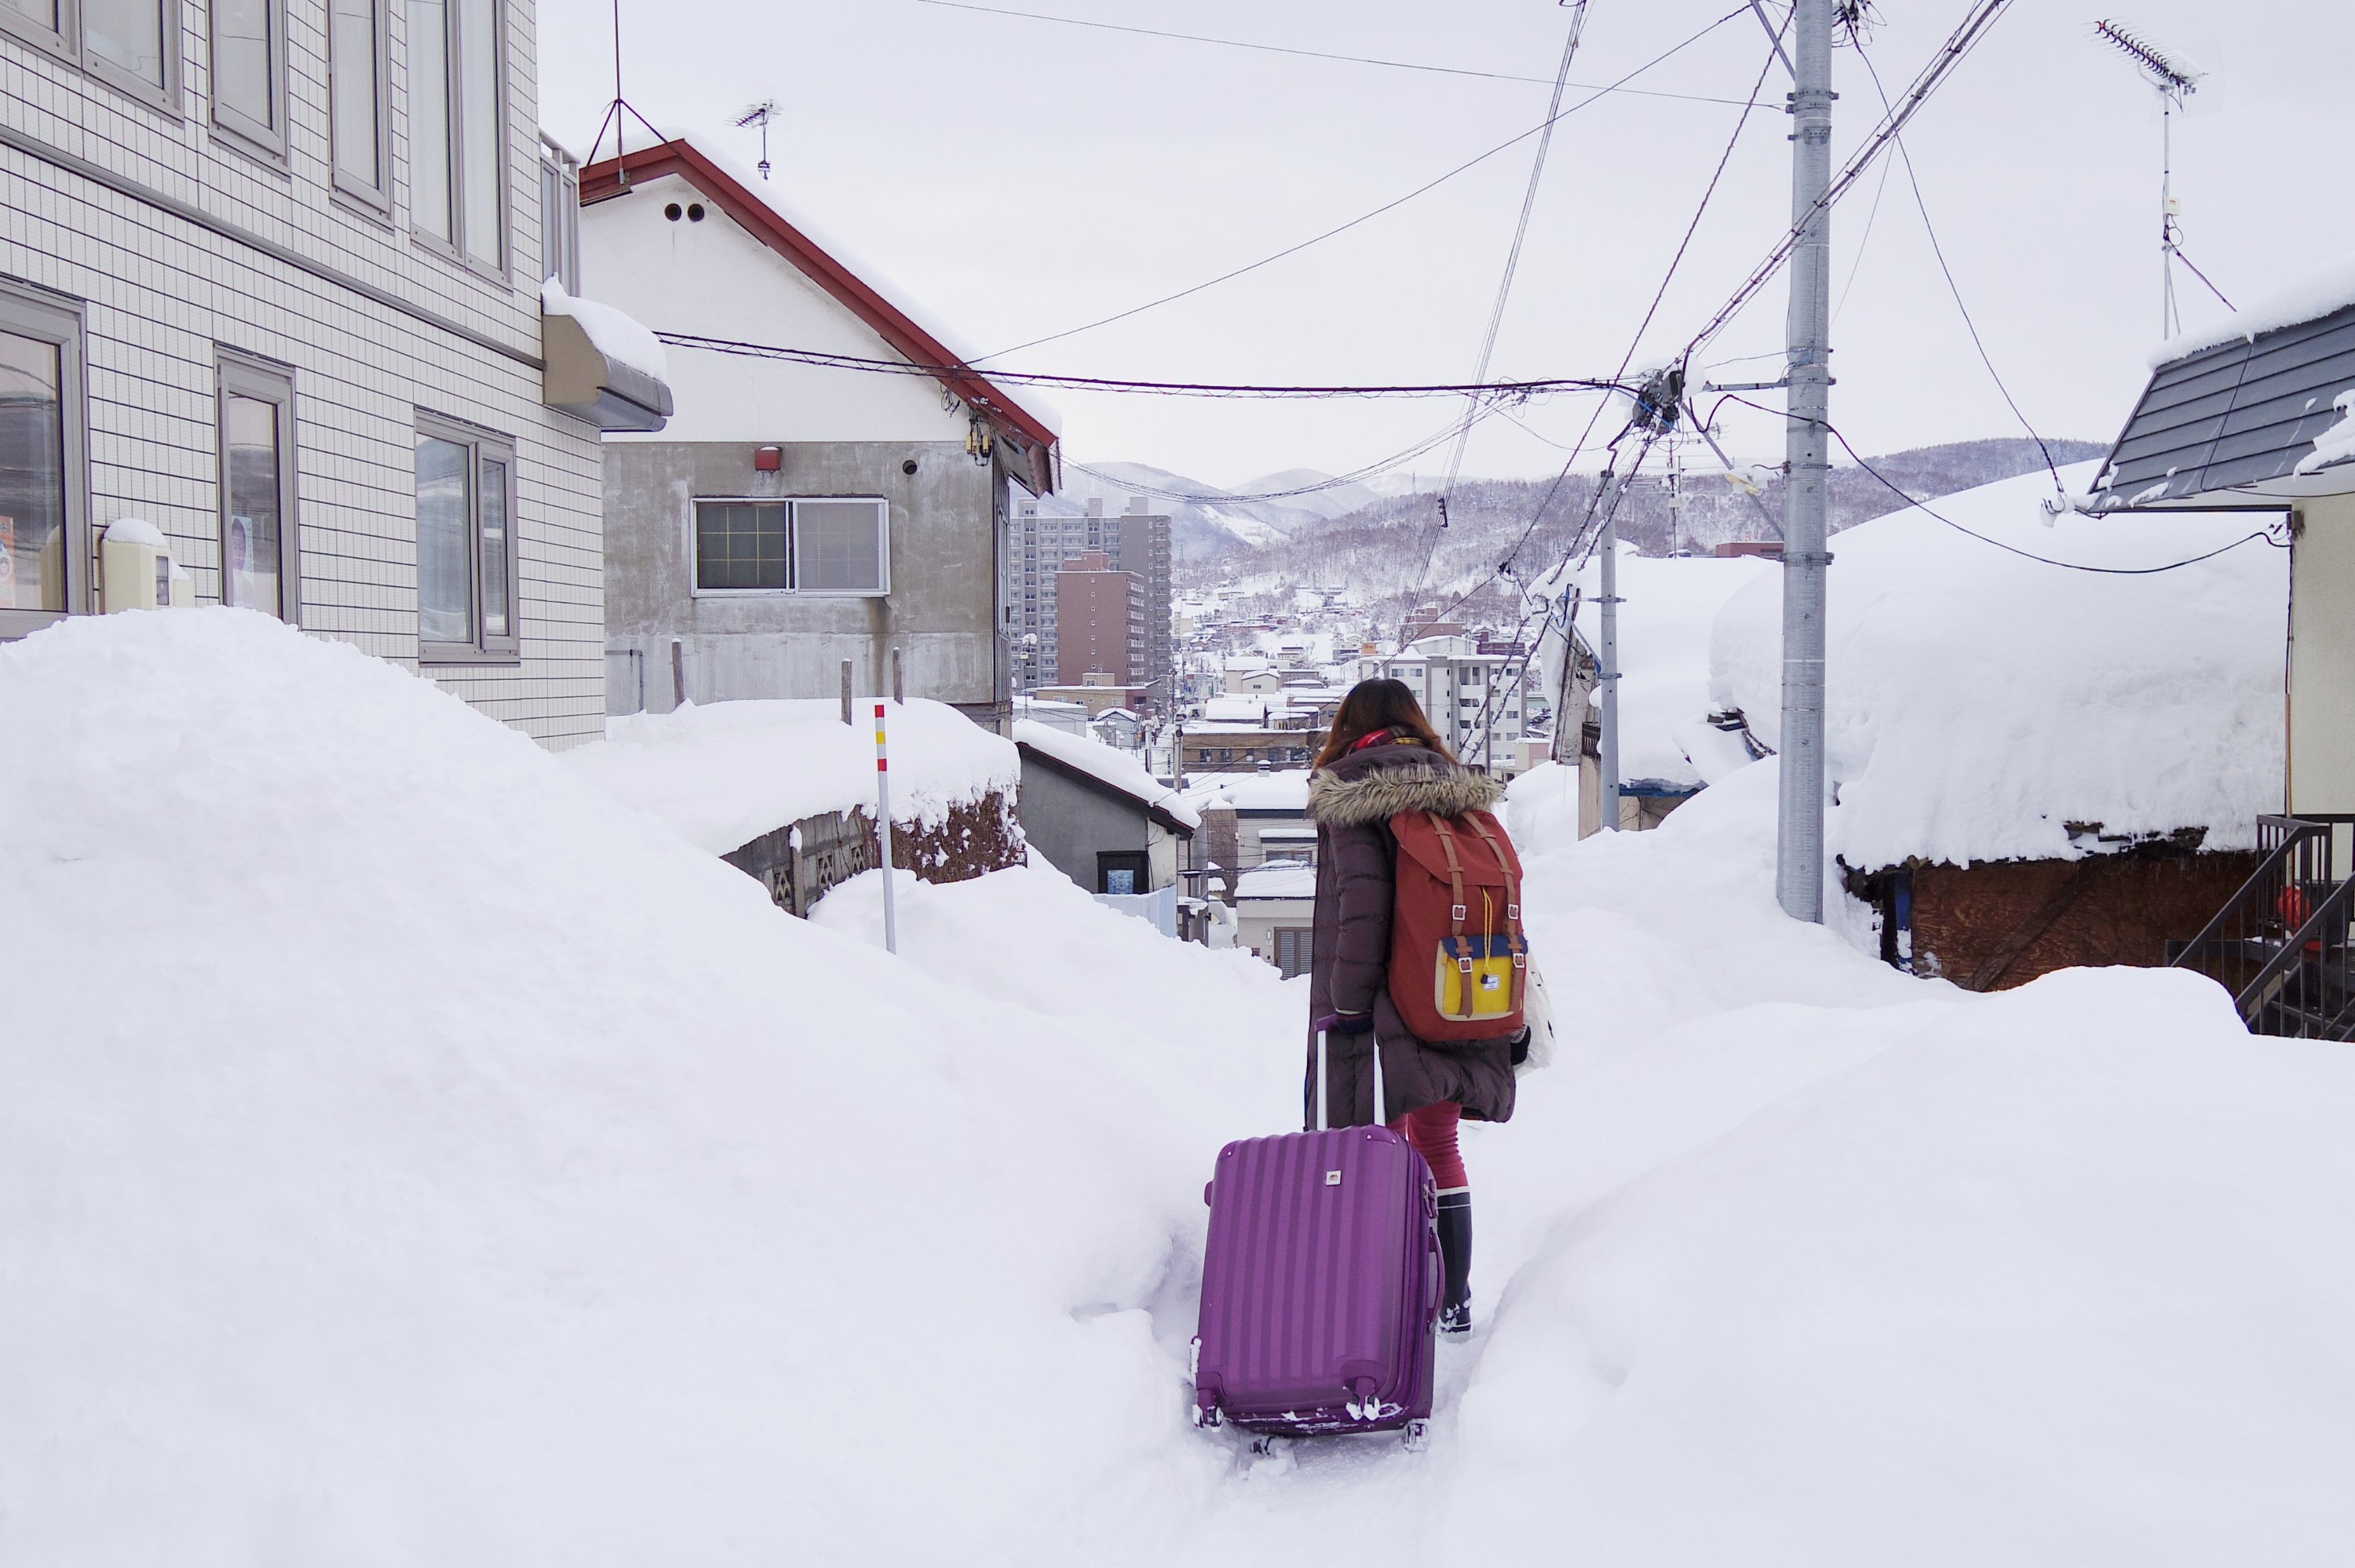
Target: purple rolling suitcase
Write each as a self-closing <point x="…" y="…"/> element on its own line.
<point x="1320" y="1283"/>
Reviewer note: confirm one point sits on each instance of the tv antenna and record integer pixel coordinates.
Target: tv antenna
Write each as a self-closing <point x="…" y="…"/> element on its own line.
<point x="2175" y="81"/>
<point x="619" y="114"/>
<point x="764" y="114"/>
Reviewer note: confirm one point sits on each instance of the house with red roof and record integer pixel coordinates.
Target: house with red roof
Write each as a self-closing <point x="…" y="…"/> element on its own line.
<point x="836" y="482"/>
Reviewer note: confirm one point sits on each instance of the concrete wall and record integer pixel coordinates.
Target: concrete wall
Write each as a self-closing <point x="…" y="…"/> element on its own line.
<point x="1069" y="823"/>
<point x="941" y="611"/>
<point x="2322" y="658"/>
<point x="165" y="261"/>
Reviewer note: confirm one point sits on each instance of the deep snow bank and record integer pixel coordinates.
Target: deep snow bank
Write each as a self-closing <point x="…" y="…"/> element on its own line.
<point x="724" y="773"/>
<point x="1977" y="703"/>
<point x="408" y="1156"/>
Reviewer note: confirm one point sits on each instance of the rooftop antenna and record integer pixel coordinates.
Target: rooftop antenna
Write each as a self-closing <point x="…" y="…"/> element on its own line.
<point x="2175" y="81"/>
<point x="761" y="114"/>
<point x="619" y="112"/>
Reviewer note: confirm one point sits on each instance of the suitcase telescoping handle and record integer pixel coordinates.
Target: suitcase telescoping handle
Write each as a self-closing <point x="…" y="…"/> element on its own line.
<point x="1324" y="1118"/>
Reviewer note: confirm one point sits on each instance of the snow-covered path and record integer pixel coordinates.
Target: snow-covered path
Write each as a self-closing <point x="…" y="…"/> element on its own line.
<point x="396" y="1173"/>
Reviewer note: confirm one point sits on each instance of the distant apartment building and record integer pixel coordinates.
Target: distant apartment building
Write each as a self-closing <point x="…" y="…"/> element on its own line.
<point x="1482" y="699"/>
<point x="1099" y="620"/>
<point x="271" y="314"/>
<point x="1135" y="541"/>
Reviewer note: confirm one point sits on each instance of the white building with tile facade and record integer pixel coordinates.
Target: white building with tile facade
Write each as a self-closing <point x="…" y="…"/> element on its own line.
<point x="270" y="280"/>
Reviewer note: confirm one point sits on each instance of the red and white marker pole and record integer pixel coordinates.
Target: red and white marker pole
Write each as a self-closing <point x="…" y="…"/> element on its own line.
<point x="883" y="832"/>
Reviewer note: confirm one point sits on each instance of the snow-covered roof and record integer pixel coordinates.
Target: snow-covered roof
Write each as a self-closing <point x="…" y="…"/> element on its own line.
<point x="614" y="334"/>
<point x="1663" y="632"/>
<point x="1240" y="710"/>
<point x="1278" y="879"/>
<point x="1980" y="704"/>
<point x="1280" y="790"/>
<point x="724" y="773"/>
<point x="2311" y="295"/>
<point x="916" y="332"/>
<point x="1106" y="765"/>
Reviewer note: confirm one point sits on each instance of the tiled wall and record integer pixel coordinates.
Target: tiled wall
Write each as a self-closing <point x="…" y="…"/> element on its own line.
<point x="162" y="293"/>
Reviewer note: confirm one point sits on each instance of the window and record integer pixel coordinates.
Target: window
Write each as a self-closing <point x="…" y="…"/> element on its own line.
<point x="456" y="137"/>
<point x="131" y="45"/>
<point x="1292" y="946"/>
<point x="559" y="216"/>
<point x="1123" y="871"/>
<point x="465" y="548"/>
<point x="258" y="538"/>
<point x="359" y="117"/>
<point x="250" y="72"/>
<point x="41" y="464"/>
<point x="758" y="545"/>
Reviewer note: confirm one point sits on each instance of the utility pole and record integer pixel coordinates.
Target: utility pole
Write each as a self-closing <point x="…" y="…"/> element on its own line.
<point x="1608" y="655"/>
<point x="1799" y="828"/>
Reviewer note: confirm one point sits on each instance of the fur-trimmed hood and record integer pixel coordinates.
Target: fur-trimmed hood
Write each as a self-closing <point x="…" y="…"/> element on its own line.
<point x="1375" y="785"/>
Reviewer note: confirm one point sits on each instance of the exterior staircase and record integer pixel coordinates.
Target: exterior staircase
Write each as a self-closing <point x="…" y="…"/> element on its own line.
<point x="2281" y="944"/>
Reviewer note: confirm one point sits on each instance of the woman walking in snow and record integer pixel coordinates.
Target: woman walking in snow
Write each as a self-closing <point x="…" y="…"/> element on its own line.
<point x="1383" y="757"/>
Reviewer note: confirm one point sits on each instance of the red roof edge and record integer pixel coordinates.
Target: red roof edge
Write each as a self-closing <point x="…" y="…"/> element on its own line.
<point x="1033" y="440"/>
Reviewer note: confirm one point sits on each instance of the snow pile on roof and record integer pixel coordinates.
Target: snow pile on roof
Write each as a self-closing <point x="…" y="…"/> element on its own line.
<point x="2311" y="295"/>
<point x="1279" y="879"/>
<point x="614" y="334"/>
<point x="723" y="774"/>
<point x="1663" y="631"/>
<point x="1242" y="709"/>
<point x="1278" y="790"/>
<point x="1980" y="703"/>
<point x="2337" y="444"/>
<point x="1107" y="765"/>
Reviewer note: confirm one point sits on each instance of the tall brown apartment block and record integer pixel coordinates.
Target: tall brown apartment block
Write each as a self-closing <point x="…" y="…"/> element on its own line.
<point x="1099" y="620"/>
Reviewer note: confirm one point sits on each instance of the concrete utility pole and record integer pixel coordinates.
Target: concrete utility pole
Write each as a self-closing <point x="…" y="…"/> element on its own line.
<point x="1607" y="656"/>
<point x="1799" y="836"/>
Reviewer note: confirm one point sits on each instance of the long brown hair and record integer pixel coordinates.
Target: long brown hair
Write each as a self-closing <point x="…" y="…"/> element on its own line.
<point x="1378" y="704"/>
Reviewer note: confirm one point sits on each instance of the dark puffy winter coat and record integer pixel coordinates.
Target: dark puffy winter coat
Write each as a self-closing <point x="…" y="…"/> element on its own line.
<point x="1350" y="954"/>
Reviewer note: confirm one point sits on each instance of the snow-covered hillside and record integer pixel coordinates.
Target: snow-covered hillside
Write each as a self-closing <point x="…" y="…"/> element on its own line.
<point x="408" y="1156"/>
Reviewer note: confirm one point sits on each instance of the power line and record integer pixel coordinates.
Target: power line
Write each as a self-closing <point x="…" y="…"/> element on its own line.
<point x="1513" y="256"/>
<point x="1307" y="54"/>
<point x="1925" y="508"/>
<point x="1377" y="212"/>
<point x="1952" y="288"/>
<point x="827" y="359"/>
<point x="1965" y="37"/>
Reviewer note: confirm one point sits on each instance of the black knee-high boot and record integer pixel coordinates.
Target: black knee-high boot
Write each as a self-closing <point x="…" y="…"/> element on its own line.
<point x="1456" y="1262"/>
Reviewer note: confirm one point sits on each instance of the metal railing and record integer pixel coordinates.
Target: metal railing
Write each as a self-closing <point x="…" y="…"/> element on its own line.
<point x="2280" y="944"/>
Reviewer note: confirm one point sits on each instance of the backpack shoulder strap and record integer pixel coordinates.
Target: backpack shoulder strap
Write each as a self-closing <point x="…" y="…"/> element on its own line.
<point x="1454" y="868"/>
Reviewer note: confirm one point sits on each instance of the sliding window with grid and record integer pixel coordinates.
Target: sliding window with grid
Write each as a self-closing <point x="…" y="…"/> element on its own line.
<point x="832" y="545"/>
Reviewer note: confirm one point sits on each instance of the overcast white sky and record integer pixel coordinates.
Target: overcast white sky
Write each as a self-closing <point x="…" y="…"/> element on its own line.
<point x="1020" y="178"/>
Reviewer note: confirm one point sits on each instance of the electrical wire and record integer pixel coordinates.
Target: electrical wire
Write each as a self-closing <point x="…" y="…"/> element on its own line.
<point x="1952" y="288"/>
<point x="1377" y="212"/>
<point x="1513" y="256"/>
<point x="1305" y="54"/>
<point x="1517" y="391"/>
<point x="2267" y="534"/>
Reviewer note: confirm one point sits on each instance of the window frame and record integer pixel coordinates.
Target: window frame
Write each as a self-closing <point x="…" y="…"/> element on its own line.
<point x="27" y="311"/>
<point x="454" y="248"/>
<point x="793" y="552"/>
<point x="378" y="198"/>
<point x="65" y="42"/>
<point x="560" y="234"/>
<point x="482" y="446"/>
<point x="239" y="375"/>
<point x="265" y="140"/>
<point x="165" y="100"/>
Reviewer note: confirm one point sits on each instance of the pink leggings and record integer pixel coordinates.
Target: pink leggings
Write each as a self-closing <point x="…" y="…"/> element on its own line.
<point x="1432" y="1131"/>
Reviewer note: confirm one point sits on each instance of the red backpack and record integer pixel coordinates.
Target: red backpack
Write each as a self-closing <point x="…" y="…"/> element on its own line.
<point x="1459" y="962"/>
